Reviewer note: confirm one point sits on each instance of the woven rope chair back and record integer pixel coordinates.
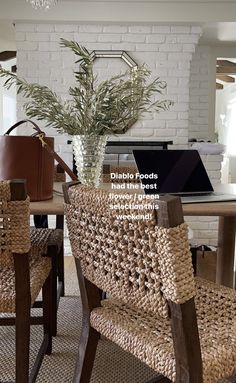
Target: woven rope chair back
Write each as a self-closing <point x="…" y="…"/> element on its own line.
<point x="134" y="260"/>
<point x="132" y="171"/>
<point x="14" y="226"/>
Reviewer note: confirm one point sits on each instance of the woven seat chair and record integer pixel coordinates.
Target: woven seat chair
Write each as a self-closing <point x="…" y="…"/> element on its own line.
<point x="27" y="265"/>
<point x="181" y="327"/>
<point x="50" y="242"/>
<point x="41" y="221"/>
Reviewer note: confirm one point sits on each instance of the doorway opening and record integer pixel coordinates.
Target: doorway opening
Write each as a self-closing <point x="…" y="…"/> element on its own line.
<point x="225" y="115"/>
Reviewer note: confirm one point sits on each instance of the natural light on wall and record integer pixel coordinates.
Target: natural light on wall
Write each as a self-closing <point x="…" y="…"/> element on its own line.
<point x="7" y="103"/>
<point x="9" y="110"/>
<point x="231" y="131"/>
<point x="42" y="4"/>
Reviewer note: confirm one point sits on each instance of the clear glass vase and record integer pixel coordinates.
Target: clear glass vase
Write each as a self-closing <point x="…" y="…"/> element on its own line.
<point x="89" y="154"/>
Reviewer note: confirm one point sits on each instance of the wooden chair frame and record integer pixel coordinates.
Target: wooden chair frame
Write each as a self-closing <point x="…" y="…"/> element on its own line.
<point x="60" y="265"/>
<point x="41" y="221"/>
<point x="23" y="318"/>
<point x="183" y="316"/>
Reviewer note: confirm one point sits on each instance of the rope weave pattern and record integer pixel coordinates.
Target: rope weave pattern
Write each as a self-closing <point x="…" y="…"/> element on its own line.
<point x="15" y="237"/>
<point x="5" y="192"/>
<point x="5" y="196"/>
<point x="216" y="308"/>
<point x="14" y="225"/>
<point x="135" y="261"/>
<point x="175" y="263"/>
<point x="123" y="257"/>
<point x="121" y="169"/>
<point x="42" y="238"/>
<point x="39" y="267"/>
<point x="39" y="270"/>
<point x="149" y="337"/>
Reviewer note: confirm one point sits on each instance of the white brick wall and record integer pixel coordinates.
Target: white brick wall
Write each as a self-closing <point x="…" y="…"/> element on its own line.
<point x="206" y="227"/>
<point x="167" y="50"/>
<point x="199" y="84"/>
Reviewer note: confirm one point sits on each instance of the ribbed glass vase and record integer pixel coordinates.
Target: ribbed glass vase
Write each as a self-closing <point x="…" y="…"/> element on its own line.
<point x="89" y="154"/>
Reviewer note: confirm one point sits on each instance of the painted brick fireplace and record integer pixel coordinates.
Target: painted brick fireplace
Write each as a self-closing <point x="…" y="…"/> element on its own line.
<point x="168" y="50"/>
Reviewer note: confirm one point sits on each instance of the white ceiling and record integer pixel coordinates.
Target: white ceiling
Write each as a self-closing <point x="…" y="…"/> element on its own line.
<point x="217" y="18"/>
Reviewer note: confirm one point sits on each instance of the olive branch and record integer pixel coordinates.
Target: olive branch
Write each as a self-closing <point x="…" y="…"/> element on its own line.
<point x="109" y="107"/>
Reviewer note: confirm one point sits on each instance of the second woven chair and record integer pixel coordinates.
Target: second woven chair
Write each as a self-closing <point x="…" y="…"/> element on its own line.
<point x="181" y="327"/>
<point x="27" y="265"/>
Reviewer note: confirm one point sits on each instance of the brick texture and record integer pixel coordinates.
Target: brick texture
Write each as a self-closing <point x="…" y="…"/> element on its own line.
<point x="198" y="108"/>
<point x="168" y="51"/>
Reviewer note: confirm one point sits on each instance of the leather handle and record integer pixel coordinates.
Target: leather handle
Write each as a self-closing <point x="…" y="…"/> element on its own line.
<point x="40" y="135"/>
<point x="59" y="160"/>
<point x="36" y="127"/>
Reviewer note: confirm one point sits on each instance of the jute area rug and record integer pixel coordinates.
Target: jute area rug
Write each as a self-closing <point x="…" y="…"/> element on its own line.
<point x="112" y="365"/>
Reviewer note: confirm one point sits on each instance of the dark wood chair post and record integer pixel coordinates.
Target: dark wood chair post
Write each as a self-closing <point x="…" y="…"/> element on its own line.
<point x="183" y="316"/>
<point x="53" y="305"/>
<point x="20" y="297"/>
<point x="22" y="323"/>
<point x="60" y="265"/>
<point x="48" y="322"/>
<point x="90" y="296"/>
<point x="23" y="299"/>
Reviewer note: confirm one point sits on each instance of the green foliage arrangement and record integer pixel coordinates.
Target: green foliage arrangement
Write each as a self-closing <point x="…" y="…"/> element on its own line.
<point x="109" y="107"/>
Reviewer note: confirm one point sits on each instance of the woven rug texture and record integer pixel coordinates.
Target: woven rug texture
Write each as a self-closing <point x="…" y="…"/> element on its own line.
<point x="112" y="364"/>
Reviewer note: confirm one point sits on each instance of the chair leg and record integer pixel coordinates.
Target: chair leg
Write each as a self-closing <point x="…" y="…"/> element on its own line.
<point x="61" y="270"/>
<point x="48" y="310"/>
<point x="61" y="278"/>
<point x="54" y="258"/>
<point x="22" y="347"/>
<point x="87" y="351"/>
<point x="22" y="322"/>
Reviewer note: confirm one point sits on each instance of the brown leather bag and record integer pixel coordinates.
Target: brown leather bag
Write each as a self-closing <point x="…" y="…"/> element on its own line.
<point x="24" y="157"/>
<point x="31" y="158"/>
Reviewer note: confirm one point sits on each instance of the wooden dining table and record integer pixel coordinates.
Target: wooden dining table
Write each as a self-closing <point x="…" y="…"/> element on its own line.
<point x="226" y="211"/>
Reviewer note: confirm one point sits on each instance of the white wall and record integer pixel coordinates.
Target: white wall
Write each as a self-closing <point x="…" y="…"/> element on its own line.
<point x="199" y="94"/>
<point x="226" y="127"/>
<point x="167" y="49"/>
<point x="7" y="101"/>
<point x="131" y="11"/>
<point x="7" y="35"/>
<point x="203" y="71"/>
